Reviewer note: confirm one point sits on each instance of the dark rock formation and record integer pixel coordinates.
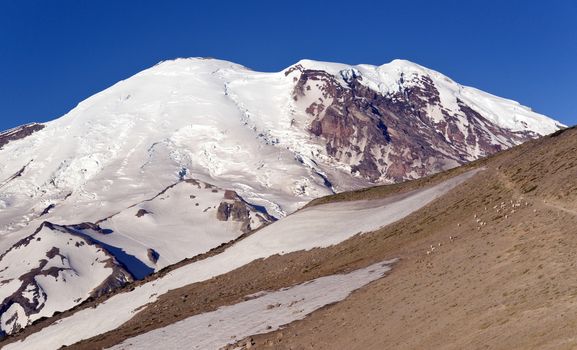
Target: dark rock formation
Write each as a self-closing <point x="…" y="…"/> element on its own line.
<point x="47" y="209"/>
<point x="141" y="212"/>
<point x="223" y="211"/>
<point x="19" y="133"/>
<point x="393" y="137"/>
<point x="153" y="255"/>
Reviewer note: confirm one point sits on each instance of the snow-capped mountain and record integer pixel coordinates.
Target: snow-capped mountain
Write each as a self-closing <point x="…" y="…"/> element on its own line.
<point x="193" y="153"/>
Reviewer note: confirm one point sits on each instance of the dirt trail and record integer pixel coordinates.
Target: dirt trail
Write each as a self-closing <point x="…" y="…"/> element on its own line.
<point x="541" y="203"/>
<point x="560" y="207"/>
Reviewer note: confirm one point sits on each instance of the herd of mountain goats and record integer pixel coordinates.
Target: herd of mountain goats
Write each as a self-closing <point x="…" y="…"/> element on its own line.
<point x="505" y="210"/>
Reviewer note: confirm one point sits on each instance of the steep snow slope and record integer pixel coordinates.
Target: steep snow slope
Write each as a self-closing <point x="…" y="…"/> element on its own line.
<point x="187" y="219"/>
<point x="319" y="226"/>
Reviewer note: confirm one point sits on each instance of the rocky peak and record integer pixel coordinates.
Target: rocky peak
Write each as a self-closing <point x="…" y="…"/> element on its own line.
<point x="403" y="131"/>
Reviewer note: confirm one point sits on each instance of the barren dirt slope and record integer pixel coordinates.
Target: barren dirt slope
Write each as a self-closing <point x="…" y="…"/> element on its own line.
<point x="505" y="282"/>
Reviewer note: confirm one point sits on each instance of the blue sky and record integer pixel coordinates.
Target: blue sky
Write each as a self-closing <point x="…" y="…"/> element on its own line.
<point x="54" y="54"/>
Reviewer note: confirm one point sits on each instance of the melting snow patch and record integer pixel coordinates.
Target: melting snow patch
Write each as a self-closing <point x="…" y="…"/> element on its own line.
<point x="266" y="313"/>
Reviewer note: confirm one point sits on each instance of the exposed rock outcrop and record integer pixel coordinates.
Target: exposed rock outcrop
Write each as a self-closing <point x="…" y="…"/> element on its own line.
<point x="19" y="133"/>
<point x="153" y="255"/>
<point x="397" y="135"/>
<point x="234" y="208"/>
<point x="141" y="212"/>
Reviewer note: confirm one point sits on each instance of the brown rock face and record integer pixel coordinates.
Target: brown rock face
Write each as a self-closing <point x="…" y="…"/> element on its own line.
<point x="239" y="211"/>
<point x="236" y="211"/>
<point x="234" y="208"/>
<point x="228" y="194"/>
<point x="223" y="211"/>
<point x="393" y="137"/>
<point x="19" y="133"/>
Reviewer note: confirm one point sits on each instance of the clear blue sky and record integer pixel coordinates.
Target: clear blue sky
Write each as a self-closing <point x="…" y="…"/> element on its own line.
<point x="54" y="54"/>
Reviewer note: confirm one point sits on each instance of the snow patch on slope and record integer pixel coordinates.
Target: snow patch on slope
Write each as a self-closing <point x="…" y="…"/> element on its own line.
<point x="264" y="314"/>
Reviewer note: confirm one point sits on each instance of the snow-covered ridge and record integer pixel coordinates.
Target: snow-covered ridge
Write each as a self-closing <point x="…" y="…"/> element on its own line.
<point x="59" y="267"/>
<point x="20" y="132"/>
<point x="398" y="74"/>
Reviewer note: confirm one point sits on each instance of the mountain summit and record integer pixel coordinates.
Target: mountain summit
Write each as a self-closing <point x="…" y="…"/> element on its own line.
<point x="280" y="138"/>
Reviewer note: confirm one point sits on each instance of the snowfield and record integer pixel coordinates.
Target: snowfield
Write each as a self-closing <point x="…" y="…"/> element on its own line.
<point x="318" y="226"/>
<point x="180" y="223"/>
<point x="266" y="313"/>
<point x="61" y="266"/>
